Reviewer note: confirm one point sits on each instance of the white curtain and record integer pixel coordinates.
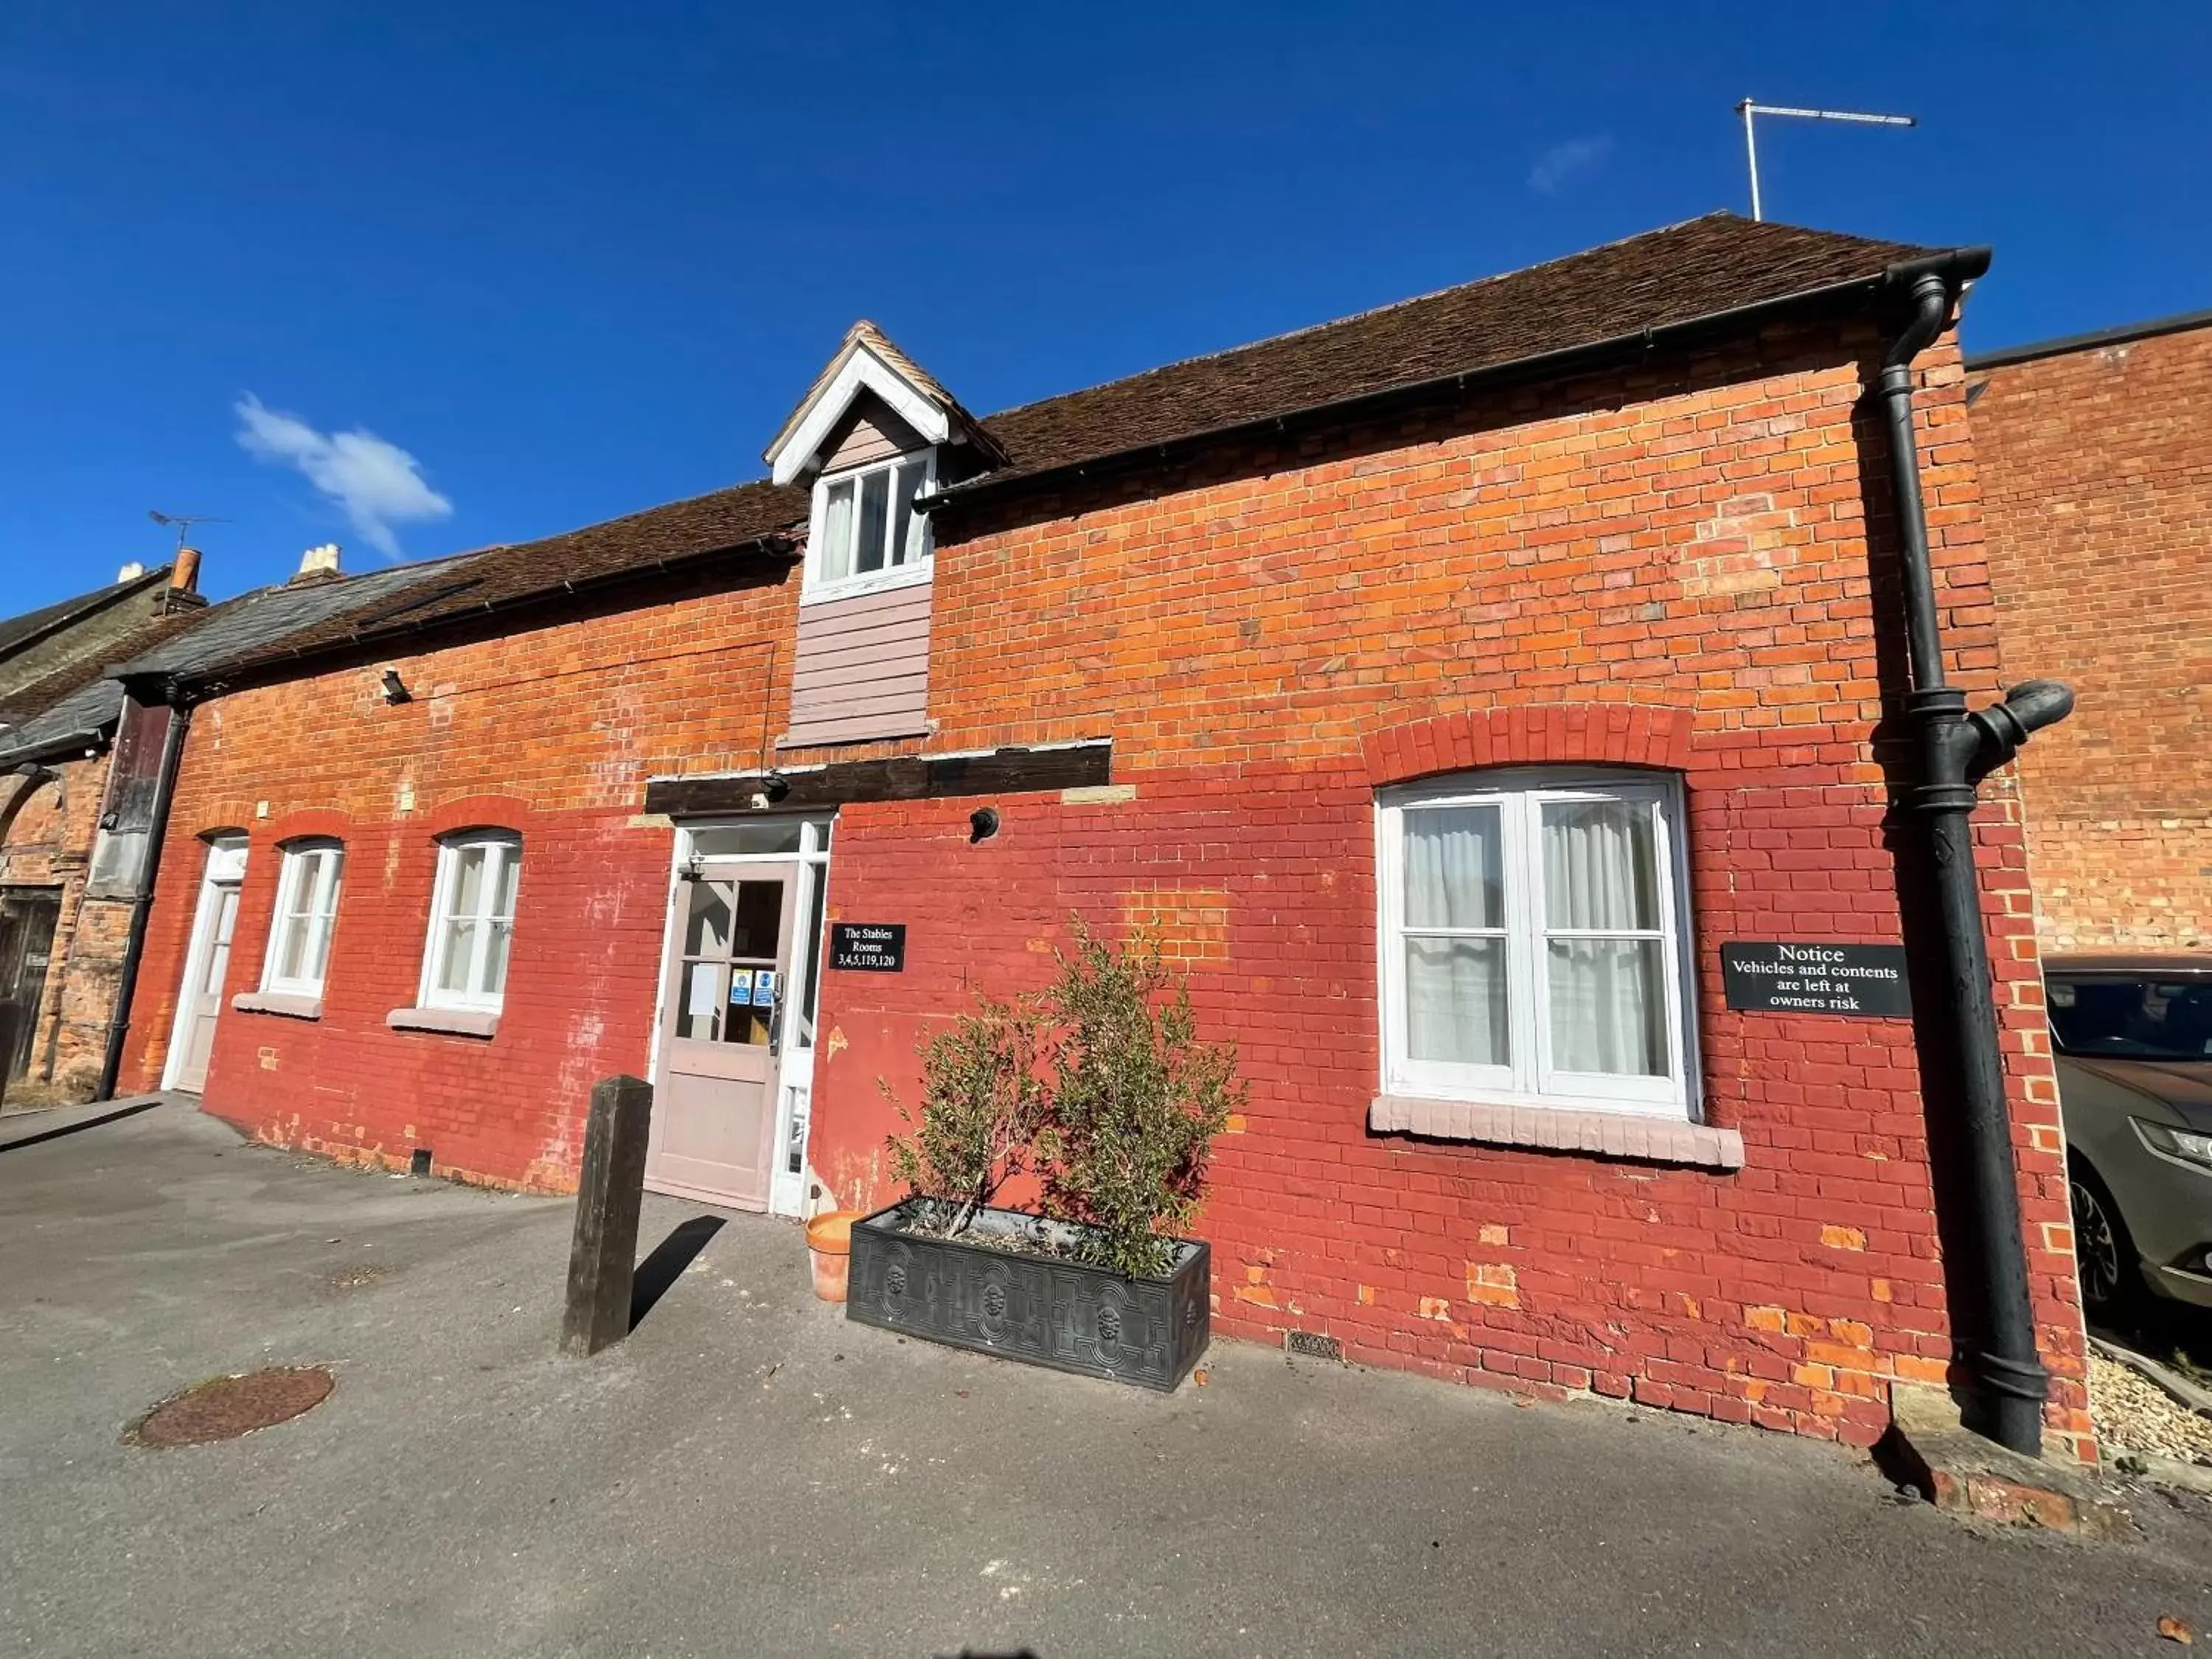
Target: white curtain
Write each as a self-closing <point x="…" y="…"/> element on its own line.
<point x="1454" y="985"/>
<point x="1607" y="995"/>
<point x="837" y="556"/>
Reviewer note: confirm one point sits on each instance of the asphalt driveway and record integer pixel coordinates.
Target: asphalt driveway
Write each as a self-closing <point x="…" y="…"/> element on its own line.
<point x="750" y="1475"/>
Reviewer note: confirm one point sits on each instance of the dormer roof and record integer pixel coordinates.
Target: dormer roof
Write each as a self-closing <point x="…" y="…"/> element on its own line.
<point x="867" y="361"/>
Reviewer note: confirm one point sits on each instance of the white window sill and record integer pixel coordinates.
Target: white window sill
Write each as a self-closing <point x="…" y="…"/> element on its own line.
<point x="454" y="1021"/>
<point x="291" y="1003"/>
<point x="1643" y="1136"/>
<point x="876" y="581"/>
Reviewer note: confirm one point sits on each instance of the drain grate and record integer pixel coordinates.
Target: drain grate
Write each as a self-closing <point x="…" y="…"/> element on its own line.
<point x="224" y="1408"/>
<point x="1313" y="1345"/>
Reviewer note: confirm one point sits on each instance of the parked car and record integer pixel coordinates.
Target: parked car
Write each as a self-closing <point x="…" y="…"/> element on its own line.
<point x="2134" y="1039"/>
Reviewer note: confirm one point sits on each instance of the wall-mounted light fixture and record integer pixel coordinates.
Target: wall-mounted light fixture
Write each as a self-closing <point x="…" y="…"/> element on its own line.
<point x="776" y="785"/>
<point x="982" y="823"/>
<point x="395" y="689"/>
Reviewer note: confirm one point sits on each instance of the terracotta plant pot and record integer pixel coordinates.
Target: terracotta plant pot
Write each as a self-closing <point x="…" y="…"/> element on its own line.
<point x="829" y="1236"/>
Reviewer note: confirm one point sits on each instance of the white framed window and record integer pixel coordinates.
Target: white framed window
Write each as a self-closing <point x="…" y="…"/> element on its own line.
<point x="864" y="533"/>
<point x="306" y="913"/>
<point x="471" y="920"/>
<point x="1534" y="941"/>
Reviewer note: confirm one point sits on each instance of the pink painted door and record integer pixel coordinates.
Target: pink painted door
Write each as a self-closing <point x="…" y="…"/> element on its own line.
<point x="714" y="1112"/>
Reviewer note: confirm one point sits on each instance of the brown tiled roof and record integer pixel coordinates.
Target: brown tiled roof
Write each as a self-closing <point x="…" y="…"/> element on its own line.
<point x="1683" y="274"/>
<point x="743" y="516"/>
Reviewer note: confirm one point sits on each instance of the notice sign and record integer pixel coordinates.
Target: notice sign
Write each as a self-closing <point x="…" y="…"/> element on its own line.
<point x="872" y="947"/>
<point x="1866" y="980"/>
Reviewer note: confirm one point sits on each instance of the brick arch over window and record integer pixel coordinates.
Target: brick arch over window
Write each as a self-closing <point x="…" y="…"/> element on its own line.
<point x="310" y="823"/>
<point x="1535" y="734"/>
<point x="507" y="812"/>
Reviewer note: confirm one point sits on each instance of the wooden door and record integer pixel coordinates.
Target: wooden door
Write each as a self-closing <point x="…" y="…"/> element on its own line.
<point x="27" y="916"/>
<point x="713" y="1119"/>
<point x="204" y="972"/>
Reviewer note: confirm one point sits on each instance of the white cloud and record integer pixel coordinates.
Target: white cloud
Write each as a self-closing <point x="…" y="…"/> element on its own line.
<point x="378" y="484"/>
<point x="1563" y="162"/>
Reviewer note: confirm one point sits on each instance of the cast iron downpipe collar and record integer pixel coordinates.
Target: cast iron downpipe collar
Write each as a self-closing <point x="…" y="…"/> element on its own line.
<point x="1956" y="749"/>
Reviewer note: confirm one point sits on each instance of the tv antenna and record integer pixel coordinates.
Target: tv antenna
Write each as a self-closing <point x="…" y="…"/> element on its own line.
<point x="184" y="521"/>
<point x="1748" y="108"/>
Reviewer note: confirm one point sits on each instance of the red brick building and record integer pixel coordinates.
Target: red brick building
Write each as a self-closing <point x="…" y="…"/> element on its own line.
<point x="2096" y="461"/>
<point x="1447" y="686"/>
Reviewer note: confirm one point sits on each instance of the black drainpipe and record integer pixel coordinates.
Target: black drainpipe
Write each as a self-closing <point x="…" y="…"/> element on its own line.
<point x="1955" y="750"/>
<point x="118" y="1023"/>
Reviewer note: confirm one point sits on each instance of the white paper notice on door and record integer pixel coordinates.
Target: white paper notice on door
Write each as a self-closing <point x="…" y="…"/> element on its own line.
<point x="700" y="1000"/>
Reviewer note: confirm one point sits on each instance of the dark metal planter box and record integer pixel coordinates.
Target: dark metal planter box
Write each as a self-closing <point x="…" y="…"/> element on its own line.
<point x="1043" y="1311"/>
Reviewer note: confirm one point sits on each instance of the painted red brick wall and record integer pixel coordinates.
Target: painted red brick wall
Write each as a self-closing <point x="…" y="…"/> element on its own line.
<point x="551" y="731"/>
<point x="1691" y="541"/>
<point x="1697" y="545"/>
<point x="2097" y="466"/>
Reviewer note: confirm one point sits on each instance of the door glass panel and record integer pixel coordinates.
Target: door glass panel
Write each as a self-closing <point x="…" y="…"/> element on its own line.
<point x="699" y="1001"/>
<point x="218" y="956"/>
<point x="808" y="962"/>
<point x="758" y="928"/>
<point x="707" y="930"/>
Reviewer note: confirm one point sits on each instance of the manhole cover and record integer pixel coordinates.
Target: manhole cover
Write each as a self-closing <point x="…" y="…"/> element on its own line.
<point x="224" y="1408"/>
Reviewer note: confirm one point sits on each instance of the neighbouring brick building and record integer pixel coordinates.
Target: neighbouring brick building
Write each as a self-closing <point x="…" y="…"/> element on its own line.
<point x="2096" y="461"/>
<point x="86" y="794"/>
<point x="1447" y="685"/>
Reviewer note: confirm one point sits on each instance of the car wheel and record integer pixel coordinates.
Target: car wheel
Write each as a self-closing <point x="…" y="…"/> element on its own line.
<point x="2106" y="1255"/>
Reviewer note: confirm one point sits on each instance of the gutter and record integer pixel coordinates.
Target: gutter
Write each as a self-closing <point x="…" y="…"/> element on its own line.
<point x="1956" y="749"/>
<point x="1963" y="265"/>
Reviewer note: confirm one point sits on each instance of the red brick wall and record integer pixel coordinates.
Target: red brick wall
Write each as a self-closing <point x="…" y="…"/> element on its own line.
<point x="2097" y="470"/>
<point x="1697" y="545"/>
<point x="551" y="731"/>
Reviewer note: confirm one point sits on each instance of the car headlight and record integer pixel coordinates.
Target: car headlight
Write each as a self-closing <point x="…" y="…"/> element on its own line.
<point x="2183" y="1146"/>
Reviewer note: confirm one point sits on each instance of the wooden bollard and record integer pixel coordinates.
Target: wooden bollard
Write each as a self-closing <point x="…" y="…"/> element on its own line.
<point x="604" y="1257"/>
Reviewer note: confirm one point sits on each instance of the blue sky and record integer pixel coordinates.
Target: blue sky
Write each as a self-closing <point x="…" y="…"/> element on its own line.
<point x="441" y="275"/>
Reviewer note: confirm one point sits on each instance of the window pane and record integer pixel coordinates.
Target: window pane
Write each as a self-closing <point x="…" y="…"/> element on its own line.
<point x="808" y="959"/>
<point x="905" y="543"/>
<point x="496" y="945"/>
<point x="510" y="866"/>
<point x="465" y="897"/>
<point x="707" y="929"/>
<point x="460" y="945"/>
<point x="837" y="556"/>
<point x="875" y="503"/>
<point x="1608" y="1007"/>
<point x="1454" y="868"/>
<point x="1600" y="870"/>
<point x="291" y="945"/>
<point x="1456" y="1000"/>
<point x="768" y="835"/>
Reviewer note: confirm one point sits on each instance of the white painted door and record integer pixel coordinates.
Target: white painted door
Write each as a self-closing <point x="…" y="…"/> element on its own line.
<point x="207" y="963"/>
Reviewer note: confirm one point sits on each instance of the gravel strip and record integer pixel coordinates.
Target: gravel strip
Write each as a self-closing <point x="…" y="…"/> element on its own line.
<point x="2134" y="1413"/>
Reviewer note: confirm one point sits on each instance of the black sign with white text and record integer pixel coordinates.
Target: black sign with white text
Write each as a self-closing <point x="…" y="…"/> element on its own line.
<point x="1865" y="980"/>
<point x="874" y="947"/>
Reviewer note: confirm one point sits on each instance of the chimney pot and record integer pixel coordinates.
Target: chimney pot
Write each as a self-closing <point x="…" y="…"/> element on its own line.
<point x="319" y="563"/>
<point x="184" y="574"/>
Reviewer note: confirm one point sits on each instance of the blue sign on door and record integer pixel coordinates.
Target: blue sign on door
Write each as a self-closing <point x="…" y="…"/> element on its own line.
<point x="764" y="987"/>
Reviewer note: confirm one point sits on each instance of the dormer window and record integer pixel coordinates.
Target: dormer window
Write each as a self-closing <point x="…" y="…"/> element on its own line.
<point x="866" y="534"/>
